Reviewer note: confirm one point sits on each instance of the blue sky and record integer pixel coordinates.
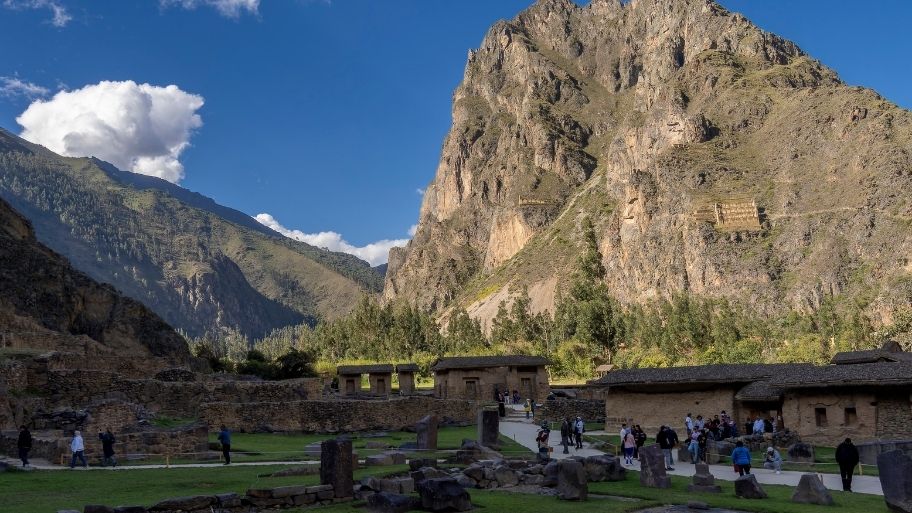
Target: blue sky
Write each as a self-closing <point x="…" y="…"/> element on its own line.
<point x="330" y="115"/>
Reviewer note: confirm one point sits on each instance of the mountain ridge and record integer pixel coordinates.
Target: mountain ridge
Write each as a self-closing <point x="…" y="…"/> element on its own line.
<point x="641" y="116"/>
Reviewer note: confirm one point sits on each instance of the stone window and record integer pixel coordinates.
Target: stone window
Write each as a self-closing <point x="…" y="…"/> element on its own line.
<point x="851" y="416"/>
<point x="820" y="416"/>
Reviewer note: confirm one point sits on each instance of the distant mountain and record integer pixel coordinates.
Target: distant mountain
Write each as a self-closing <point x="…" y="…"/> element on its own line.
<point x="200" y="265"/>
<point x="45" y="304"/>
<point x="714" y="159"/>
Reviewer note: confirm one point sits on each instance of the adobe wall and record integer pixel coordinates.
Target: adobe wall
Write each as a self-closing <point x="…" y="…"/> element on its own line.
<point x="451" y="384"/>
<point x="894" y="415"/>
<point x="652" y="410"/>
<point x="335" y="416"/>
<point x="798" y="413"/>
<point x="555" y="410"/>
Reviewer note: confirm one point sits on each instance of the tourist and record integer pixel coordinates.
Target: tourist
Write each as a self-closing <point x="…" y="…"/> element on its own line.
<point x="629" y="446"/>
<point x="24" y="444"/>
<point x="773" y="460"/>
<point x="693" y="447"/>
<point x="847" y="458"/>
<point x="516" y="398"/>
<point x="566" y="432"/>
<point x="759" y="425"/>
<point x="528" y="408"/>
<point x="77" y="447"/>
<point x="667" y="440"/>
<point x="501" y="407"/>
<point x="702" y="437"/>
<point x="224" y="437"/>
<point x="689" y="425"/>
<point x="542" y="440"/>
<point x="622" y="433"/>
<point x="579" y="427"/>
<point x="698" y="425"/>
<point x="724" y="416"/>
<point x="107" y="448"/>
<point x="741" y="458"/>
<point x="640" y="437"/>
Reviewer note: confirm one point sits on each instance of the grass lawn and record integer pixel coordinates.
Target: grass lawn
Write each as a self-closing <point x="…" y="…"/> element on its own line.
<point x="43" y="491"/>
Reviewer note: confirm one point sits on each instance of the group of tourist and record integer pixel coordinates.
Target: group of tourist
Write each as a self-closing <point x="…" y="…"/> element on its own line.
<point x="77" y="448"/>
<point x="721" y="426"/>
<point x="507" y="397"/>
<point x="632" y="440"/>
<point x="572" y="433"/>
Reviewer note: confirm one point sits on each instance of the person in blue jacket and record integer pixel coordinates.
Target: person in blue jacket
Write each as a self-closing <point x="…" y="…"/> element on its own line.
<point x="224" y="437"/>
<point x="741" y="458"/>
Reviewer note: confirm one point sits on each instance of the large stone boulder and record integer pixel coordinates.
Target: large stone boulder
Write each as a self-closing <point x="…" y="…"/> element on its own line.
<point x="801" y="453"/>
<point x="378" y="460"/>
<point x="571" y="481"/>
<point x="717" y="449"/>
<point x="703" y="480"/>
<point x="604" y="468"/>
<point x="472" y="451"/>
<point x="184" y="503"/>
<point x="427" y="473"/>
<point x="895" y="468"/>
<point x="549" y="473"/>
<point x="747" y="487"/>
<point x="489" y="428"/>
<point x="418" y="463"/>
<point x="336" y="466"/>
<point x="810" y="490"/>
<point x="506" y="476"/>
<point x="384" y="502"/>
<point x="684" y="455"/>
<point x="426" y="428"/>
<point x="652" y="468"/>
<point x="444" y="494"/>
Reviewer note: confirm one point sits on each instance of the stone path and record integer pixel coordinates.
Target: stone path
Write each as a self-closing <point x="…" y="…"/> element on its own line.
<point x="524" y="431"/>
<point x="44" y="465"/>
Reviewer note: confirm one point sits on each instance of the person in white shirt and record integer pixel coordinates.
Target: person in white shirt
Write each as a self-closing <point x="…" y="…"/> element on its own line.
<point x="77" y="447"/>
<point x="579" y="427"/>
<point x="623" y="432"/>
<point x="689" y="424"/>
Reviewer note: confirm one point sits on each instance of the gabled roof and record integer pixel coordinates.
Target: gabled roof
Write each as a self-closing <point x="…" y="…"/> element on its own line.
<point x="406" y="367"/>
<point x="375" y="368"/>
<point x="762" y="390"/>
<point x="699" y="374"/>
<point x="876" y="374"/>
<point x="890" y="352"/>
<point x="481" y="362"/>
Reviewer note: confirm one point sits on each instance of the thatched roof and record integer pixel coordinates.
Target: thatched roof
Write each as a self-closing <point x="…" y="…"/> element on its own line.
<point x="374" y="368"/>
<point x="482" y="362"/>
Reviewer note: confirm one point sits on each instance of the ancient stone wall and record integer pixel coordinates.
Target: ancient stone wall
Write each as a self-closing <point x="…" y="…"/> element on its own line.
<point x="894" y="416"/>
<point x="555" y="410"/>
<point x="826" y="417"/>
<point x="653" y="410"/>
<point x="335" y="416"/>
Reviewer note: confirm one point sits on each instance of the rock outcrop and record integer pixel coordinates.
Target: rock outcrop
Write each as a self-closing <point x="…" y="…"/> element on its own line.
<point x="712" y="157"/>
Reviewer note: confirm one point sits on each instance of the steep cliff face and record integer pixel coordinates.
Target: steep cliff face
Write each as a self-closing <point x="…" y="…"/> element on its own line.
<point x="45" y="304"/>
<point x="715" y="159"/>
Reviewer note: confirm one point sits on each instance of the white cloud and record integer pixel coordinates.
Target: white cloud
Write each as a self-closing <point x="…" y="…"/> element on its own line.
<point x="61" y="16"/>
<point x="375" y="253"/>
<point x="137" y="127"/>
<point x="413" y="229"/>
<point x="419" y="191"/>
<point x="14" y="86"/>
<point x="227" y="8"/>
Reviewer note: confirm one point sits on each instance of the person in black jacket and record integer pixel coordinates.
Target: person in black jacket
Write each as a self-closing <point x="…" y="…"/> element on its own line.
<point x="24" y="444"/>
<point x="847" y="458"/>
<point x="566" y="431"/>
<point x="107" y="447"/>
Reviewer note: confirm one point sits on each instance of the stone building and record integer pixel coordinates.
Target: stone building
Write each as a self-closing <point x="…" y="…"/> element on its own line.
<point x="868" y="400"/>
<point x="481" y="377"/>
<point x="406" y="373"/>
<point x="379" y="376"/>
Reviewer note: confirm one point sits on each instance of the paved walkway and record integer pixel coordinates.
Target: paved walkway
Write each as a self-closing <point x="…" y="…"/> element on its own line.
<point x="44" y="465"/>
<point x="524" y="432"/>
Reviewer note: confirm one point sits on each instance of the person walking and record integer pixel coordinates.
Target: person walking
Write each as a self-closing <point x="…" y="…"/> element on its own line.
<point x="107" y="448"/>
<point x="629" y="447"/>
<point x="640" y="437"/>
<point x="24" y="444"/>
<point x="847" y="458"/>
<point x="77" y="448"/>
<point x="702" y="438"/>
<point x="689" y="424"/>
<point x="693" y="447"/>
<point x="773" y="460"/>
<point x="579" y="427"/>
<point x="667" y="440"/>
<point x="224" y="437"/>
<point x="528" y="407"/>
<point x="544" y="450"/>
<point x="566" y="433"/>
<point x="741" y="457"/>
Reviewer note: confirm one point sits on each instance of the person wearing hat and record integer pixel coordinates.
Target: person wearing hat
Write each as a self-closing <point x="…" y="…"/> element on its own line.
<point x="847" y="458"/>
<point x="77" y="447"/>
<point x="773" y="460"/>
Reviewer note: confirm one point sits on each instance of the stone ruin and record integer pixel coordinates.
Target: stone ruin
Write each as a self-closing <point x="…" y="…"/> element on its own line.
<point x="652" y="468"/>
<point x="703" y="480"/>
<point x="895" y="469"/>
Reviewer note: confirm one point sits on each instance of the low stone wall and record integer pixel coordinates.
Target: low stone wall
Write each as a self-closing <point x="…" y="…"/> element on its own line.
<point x="284" y="497"/>
<point x="335" y="416"/>
<point x="555" y="410"/>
